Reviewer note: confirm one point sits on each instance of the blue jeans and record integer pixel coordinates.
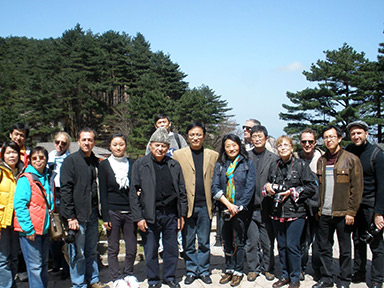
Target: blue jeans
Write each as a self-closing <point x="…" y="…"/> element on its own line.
<point x="199" y="224"/>
<point x="288" y="240"/>
<point x="9" y="251"/>
<point x="36" y="258"/>
<point x="83" y="253"/>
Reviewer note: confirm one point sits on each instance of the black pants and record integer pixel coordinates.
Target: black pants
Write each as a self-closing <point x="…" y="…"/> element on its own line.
<point x="308" y="238"/>
<point x="327" y="227"/>
<point x="363" y="219"/>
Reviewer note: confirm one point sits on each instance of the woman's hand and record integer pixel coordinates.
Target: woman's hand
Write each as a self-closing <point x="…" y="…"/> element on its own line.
<point x="269" y="189"/>
<point x="31" y="237"/>
<point x="285" y="194"/>
<point x="107" y="225"/>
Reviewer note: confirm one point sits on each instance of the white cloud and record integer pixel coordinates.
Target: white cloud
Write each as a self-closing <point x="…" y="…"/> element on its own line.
<point x="292" y="67"/>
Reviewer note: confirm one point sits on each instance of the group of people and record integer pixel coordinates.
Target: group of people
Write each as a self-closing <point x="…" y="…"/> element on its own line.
<point x="264" y="192"/>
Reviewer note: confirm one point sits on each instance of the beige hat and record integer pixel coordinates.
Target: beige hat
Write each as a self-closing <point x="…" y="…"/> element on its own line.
<point x="161" y="136"/>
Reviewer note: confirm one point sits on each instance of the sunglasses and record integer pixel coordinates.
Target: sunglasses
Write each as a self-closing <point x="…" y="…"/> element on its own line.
<point x="247" y="127"/>
<point x="57" y="142"/>
<point x="310" y="142"/>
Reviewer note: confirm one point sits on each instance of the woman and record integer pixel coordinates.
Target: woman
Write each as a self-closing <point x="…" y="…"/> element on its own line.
<point x="291" y="182"/>
<point x="114" y="177"/>
<point x="32" y="217"/>
<point x="55" y="160"/>
<point x="10" y="167"/>
<point x="233" y="186"/>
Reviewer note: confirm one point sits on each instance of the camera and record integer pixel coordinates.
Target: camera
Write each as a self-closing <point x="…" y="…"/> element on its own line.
<point x="71" y="236"/>
<point x="371" y="232"/>
<point x="278" y="198"/>
<point x="226" y="215"/>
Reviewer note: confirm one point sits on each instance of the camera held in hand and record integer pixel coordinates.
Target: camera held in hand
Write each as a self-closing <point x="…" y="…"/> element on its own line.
<point x="278" y="198"/>
<point x="226" y="215"/>
<point x="370" y="234"/>
<point x="71" y="236"/>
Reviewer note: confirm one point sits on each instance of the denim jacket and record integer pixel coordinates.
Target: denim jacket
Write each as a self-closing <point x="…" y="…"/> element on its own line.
<point x="244" y="179"/>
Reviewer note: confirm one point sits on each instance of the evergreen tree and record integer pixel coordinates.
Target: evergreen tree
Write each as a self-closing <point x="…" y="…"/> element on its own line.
<point x="337" y="98"/>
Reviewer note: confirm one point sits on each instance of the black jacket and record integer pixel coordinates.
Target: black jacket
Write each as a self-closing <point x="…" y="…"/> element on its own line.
<point x="76" y="187"/>
<point x="144" y="178"/>
<point x="111" y="196"/>
<point x="293" y="173"/>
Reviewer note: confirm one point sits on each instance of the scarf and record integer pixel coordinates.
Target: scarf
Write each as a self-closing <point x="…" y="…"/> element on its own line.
<point x="230" y="193"/>
<point x="120" y="167"/>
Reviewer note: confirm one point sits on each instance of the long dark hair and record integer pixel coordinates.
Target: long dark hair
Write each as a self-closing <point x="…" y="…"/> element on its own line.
<point x="223" y="156"/>
<point x="12" y="145"/>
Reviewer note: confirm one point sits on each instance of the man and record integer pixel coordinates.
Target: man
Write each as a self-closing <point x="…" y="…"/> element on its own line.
<point x="247" y="141"/>
<point x="311" y="154"/>
<point x="176" y="140"/>
<point x="341" y="185"/>
<point x="19" y="133"/>
<point x="79" y="206"/>
<point x="260" y="231"/>
<point x="197" y="164"/>
<point x="372" y="205"/>
<point x="160" y="206"/>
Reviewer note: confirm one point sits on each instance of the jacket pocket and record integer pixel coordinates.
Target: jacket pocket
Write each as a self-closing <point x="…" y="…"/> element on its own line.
<point x="343" y="176"/>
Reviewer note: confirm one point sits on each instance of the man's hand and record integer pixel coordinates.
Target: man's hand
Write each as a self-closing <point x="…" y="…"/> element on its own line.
<point x="107" y="225"/>
<point x="379" y="221"/>
<point x="349" y="220"/>
<point x="142" y="224"/>
<point x="180" y="223"/>
<point x="73" y="224"/>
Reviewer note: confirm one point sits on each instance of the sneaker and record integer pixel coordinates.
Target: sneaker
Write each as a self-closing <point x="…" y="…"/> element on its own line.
<point x="101" y="285"/>
<point x="269" y="276"/>
<point x="302" y="276"/>
<point x="120" y="284"/>
<point x="236" y="279"/>
<point x="132" y="281"/>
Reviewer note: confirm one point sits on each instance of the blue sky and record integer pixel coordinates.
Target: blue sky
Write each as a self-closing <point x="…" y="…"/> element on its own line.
<point x="249" y="52"/>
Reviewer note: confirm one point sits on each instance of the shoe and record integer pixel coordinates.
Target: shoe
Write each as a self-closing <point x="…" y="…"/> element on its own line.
<point x="252" y="276"/>
<point x="280" y="283"/>
<point x="226" y="278"/>
<point x="316" y="276"/>
<point x="189" y="279"/>
<point x="120" y="284"/>
<point x="269" y="276"/>
<point x="236" y="279"/>
<point x="157" y="285"/>
<point x="171" y="284"/>
<point x="206" y="279"/>
<point x="302" y="276"/>
<point x="322" y="284"/>
<point x="293" y="284"/>
<point x="98" y="285"/>
<point x="342" y="286"/>
<point x="358" y="278"/>
<point x="376" y="285"/>
<point x="132" y="281"/>
<point x="23" y="276"/>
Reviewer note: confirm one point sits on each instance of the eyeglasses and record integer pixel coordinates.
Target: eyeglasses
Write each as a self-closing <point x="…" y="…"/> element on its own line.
<point x="310" y="142"/>
<point x="35" y="158"/>
<point x="197" y="135"/>
<point x="285" y="145"/>
<point x="329" y="138"/>
<point x="58" y="142"/>
<point x="247" y="127"/>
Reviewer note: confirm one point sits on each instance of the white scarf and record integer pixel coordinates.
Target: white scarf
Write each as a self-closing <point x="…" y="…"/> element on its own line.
<point x="120" y="167"/>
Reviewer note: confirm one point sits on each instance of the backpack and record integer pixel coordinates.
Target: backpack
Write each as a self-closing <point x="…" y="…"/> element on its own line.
<point x="379" y="147"/>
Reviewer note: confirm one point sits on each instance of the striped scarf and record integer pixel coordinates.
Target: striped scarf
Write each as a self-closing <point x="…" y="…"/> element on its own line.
<point x="230" y="193"/>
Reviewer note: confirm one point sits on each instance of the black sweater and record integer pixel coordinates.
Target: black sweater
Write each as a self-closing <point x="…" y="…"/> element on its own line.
<point x="111" y="197"/>
<point x="373" y="195"/>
